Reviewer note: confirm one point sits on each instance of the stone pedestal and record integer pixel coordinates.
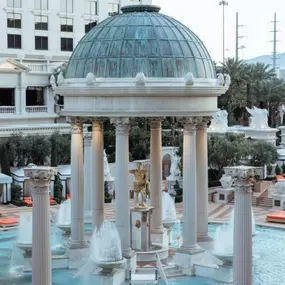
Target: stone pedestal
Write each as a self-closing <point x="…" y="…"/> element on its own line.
<point x="224" y="196"/>
<point x="242" y="224"/>
<point x="278" y="202"/>
<point x="41" y="254"/>
<point x="140" y="229"/>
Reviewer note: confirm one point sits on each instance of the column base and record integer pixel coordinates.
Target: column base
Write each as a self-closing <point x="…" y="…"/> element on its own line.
<point x="88" y="217"/>
<point x="187" y="257"/>
<point x="204" y="238"/>
<point x="131" y="263"/>
<point x="159" y="236"/>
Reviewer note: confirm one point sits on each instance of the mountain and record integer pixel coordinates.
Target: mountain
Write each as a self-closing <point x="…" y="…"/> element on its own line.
<point x="267" y="59"/>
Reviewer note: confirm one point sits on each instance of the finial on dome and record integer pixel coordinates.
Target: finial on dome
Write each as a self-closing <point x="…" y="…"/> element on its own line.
<point x="140" y="79"/>
<point x="90" y="79"/>
<point x="189" y="79"/>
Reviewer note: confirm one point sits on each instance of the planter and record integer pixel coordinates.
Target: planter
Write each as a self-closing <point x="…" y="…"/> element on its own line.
<point x="18" y="203"/>
<point x="108" y="200"/>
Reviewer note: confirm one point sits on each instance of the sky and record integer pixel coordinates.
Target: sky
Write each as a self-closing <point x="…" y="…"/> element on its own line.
<point x="204" y="18"/>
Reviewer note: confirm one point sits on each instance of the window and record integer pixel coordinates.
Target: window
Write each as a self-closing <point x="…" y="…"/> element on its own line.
<point x="41" y="4"/>
<point x="14" y="3"/>
<point x="66" y="25"/>
<point x="277" y="203"/>
<point x="91" y="7"/>
<point x="113" y="9"/>
<point x="222" y="197"/>
<point x="89" y="25"/>
<point x="35" y="96"/>
<point x="66" y="6"/>
<point x="66" y="44"/>
<point x="14" y="20"/>
<point x="41" y="23"/>
<point x="41" y="43"/>
<point x="14" y="41"/>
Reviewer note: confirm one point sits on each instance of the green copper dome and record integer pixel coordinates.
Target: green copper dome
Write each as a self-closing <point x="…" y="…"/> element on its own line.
<point x="140" y="40"/>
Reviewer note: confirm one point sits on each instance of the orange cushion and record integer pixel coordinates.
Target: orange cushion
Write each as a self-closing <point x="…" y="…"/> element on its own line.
<point x="280" y="177"/>
<point x="278" y="215"/>
<point x="8" y="221"/>
<point x="68" y="196"/>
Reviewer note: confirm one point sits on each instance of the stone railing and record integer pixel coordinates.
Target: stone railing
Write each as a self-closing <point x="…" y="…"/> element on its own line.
<point x="7" y="109"/>
<point x="36" y="109"/>
<point x="38" y="67"/>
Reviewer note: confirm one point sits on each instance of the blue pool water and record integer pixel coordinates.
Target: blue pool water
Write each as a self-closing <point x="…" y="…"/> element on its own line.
<point x="268" y="261"/>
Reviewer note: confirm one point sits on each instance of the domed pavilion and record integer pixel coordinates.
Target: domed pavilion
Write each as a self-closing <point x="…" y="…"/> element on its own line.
<point x="140" y="63"/>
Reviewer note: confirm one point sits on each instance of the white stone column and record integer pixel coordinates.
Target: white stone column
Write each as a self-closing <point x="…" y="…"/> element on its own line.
<point x="190" y="188"/>
<point x="77" y="185"/>
<point x="41" y="256"/>
<point x="97" y="174"/>
<point x="9" y="192"/>
<point x="157" y="228"/>
<point x="121" y="184"/>
<point x="88" y="170"/>
<point x="17" y="100"/>
<point x="4" y="195"/>
<point x="242" y="265"/>
<point x="202" y="181"/>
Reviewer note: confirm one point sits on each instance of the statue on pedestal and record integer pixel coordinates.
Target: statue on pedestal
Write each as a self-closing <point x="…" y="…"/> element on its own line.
<point x="141" y="185"/>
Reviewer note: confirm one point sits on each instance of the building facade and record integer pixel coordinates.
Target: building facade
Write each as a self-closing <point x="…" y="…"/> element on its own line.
<point x="39" y="37"/>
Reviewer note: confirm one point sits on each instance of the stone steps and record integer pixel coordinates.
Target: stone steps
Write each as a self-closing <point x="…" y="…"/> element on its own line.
<point x="172" y="271"/>
<point x="265" y="202"/>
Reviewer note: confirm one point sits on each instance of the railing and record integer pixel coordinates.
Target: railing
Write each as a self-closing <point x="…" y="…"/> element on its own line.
<point x="38" y="67"/>
<point x="7" y="109"/>
<point x="36" y="109"/>
<point x="263" y="194"/>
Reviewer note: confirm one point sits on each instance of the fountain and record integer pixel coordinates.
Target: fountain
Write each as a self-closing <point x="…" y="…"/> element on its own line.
<point x="105" y="255"/>
<point x="64" y="217"/>
<point x="24" y="241"/>
<point x="169" y="218"/>
<point x="224" y="242"/>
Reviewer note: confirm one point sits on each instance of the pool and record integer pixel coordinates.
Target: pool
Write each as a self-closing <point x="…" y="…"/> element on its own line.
<point x="268" y="261"/>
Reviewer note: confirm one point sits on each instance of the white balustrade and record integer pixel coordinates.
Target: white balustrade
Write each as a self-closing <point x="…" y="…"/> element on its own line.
<point x="38" y="67"/>
<point x="36" y="109"/>
<point x="7" y="109"/>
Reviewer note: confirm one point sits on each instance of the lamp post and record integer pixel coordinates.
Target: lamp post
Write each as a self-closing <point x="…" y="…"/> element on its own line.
<point x="223" y="3"/>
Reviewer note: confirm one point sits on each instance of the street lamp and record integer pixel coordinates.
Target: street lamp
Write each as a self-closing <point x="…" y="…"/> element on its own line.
<point x="223" y="3"/>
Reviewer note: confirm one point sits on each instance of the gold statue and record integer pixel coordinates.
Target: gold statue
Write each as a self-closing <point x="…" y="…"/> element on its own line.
<point x="141" y="185"/>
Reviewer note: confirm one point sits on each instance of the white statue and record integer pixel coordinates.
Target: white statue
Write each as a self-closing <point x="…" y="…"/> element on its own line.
<point x="226" y="181"/>
<point x="107" y="174"/>
<point x="90" y="79"/>
<point x="281" y="109"/>
<point x="140" y="79"/>
<point x="175" y="172"/>
<point x="219" y="122"/>
<point x="258" y="119"/>
<point x="189" y="79"/>
<point x="220" y="79"/>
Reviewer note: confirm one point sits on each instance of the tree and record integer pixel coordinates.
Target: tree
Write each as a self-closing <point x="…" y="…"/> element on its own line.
<point x="4" y="160"/>
<point x="58" y="187"/>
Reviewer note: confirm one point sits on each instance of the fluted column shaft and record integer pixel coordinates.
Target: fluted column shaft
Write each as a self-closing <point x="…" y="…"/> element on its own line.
<point x="121" y="184"/>
<point x="87" y="174"/>
<point x="243" y="227"/>
<point x="41" y="255"/>
<point x="202" y="181"/>
<point x="77" y="184"/>
<point x="156" y="175"/>
<point x="97" y="174"/>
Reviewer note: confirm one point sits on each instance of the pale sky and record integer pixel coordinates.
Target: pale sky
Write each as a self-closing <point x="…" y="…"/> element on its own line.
<point x="204" y="17"/>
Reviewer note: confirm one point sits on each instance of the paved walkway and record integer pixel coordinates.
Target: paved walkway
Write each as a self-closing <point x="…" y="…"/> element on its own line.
<point x="216" y="212"/>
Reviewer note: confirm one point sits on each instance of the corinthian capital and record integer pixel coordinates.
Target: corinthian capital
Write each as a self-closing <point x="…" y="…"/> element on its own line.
<point x="76" y="124"/>
<point x="122" y="124"/>
<point x="40" y="177"/>
<point x="97" y="124"/>
<point x="203" y="121"/>
<point x="155" y="123"/>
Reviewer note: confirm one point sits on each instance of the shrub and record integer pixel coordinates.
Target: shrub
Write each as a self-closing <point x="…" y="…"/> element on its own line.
<point x="277" y="170"/>
<point x="18" y="203"/>
<point x="57" y="190"/>
<point x="283" y="168"/>
<point x="16" y="192"/>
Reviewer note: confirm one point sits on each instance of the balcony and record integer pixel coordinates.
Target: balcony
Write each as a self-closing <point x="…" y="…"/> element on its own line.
<point x="36" y="109"/>
<point x="7" y="109"/>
